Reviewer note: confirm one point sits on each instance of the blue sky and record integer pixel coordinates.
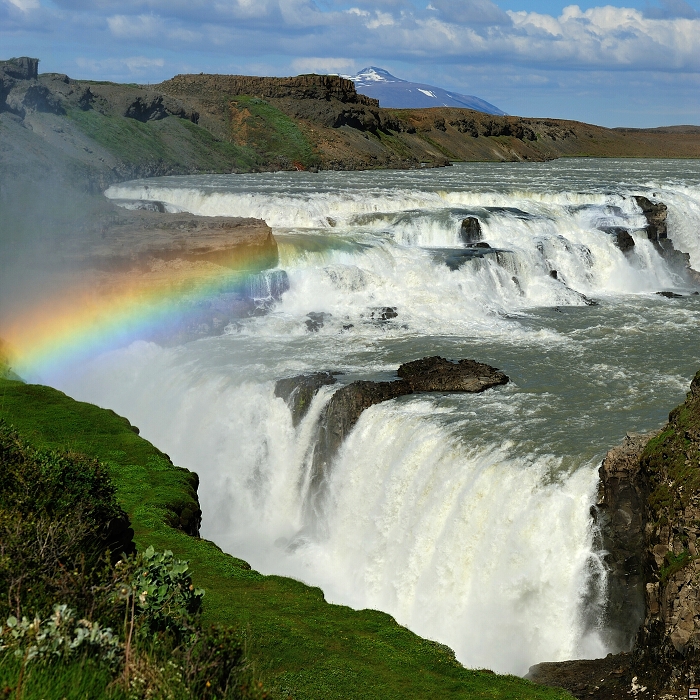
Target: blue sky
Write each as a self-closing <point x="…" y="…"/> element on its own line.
<point x="635" y="63"/>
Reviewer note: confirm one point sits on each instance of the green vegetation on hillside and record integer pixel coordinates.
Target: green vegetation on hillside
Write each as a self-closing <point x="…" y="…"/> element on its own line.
<point x="80" y="622"/>
<point x="674" y="479"/>
<point x="302" y="647"/>
<point x="273" y="135"/>
<point x="179" y="142"/>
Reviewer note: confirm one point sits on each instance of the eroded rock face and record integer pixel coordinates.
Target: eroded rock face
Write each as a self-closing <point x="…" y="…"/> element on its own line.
<point x="426" y="375"/>
<point x="668" y="647"/>
<point x="620" y="516"/>
<point x="318" y="87"/>
<point x="470" y="230"/>
<point x="299" y="391"/>
<point x="134" y="237"/>
<point x="621" y="236"/>
<point x="655" y="214"/>
<point x="23" y="68"/>
<point x="657" y="232"/>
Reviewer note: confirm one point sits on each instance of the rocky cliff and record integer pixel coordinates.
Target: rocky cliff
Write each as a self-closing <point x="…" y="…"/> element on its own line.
<point x="668" y="646"/>
<point x="648" y="517"/>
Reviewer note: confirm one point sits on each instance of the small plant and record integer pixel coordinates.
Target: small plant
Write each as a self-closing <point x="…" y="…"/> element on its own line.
<point x="159" y="590"/>
<point x="58" y="637"/>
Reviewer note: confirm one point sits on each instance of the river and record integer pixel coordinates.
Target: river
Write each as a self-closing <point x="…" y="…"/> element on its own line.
<point x="466" y="517"/>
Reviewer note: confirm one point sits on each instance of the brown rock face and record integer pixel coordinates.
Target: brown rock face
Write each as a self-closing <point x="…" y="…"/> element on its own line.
<point x="668" y="646"/>
<point x="655" y="214"/>
<point x="470" y="230"/>
<point x="649" y="518"/>
<point x="620" y="515"/>
<point x="299" y="391"/>
<point x="301" y="87"/>
<point x="133" y="238"/>
<point x="439" y="374"/>
<point x="23" y="68"/>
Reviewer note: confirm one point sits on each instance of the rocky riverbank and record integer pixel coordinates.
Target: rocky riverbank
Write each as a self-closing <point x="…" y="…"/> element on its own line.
<point x="649" y="520"/>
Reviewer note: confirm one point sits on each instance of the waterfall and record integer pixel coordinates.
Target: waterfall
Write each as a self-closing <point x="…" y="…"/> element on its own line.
<point x="465" y="517"/>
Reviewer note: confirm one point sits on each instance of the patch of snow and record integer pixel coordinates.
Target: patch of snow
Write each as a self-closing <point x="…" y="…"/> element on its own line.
<point x="428" y="93"/>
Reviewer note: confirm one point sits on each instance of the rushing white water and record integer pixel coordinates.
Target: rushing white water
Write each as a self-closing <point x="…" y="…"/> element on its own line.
<point x="464" y="516"/>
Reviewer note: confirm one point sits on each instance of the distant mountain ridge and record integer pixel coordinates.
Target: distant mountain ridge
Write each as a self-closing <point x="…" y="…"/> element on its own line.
<point x="402" y="94"/>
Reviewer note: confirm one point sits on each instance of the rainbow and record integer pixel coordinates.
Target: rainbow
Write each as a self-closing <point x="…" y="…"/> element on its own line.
<point x="98" y="312"/>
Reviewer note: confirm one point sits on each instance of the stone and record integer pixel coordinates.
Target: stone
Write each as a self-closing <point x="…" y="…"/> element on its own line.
<point x="655" y="214"/>
<point x="315" y="320"/>
<point x="23" y="68"/>
<point x="470" y="230"/>
<point x="619" y="515"/>
<point x="299" y="391"/>
<point x="383" y="313"/>
<point x="621" y="236"/>
<point x="429" y="374"/>
<point x="439" y="374"/>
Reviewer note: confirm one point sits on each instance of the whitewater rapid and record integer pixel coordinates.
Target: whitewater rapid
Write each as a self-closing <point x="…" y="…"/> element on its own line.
<point x="464" y="516"/>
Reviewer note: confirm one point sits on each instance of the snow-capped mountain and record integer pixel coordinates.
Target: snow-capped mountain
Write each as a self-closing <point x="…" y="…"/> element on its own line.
<point x="395" y="92"/>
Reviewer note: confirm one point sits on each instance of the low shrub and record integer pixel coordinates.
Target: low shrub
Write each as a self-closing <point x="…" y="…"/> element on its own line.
<point x="76" y="599"/>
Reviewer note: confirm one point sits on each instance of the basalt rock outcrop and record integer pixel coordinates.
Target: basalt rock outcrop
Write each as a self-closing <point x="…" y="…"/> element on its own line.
<point x="622" y="237"/>
<point x="305" y="87"/>
<point x="657" y="232"/>
<point x="430" y="374"/>
<point x="470" y="230"/>
<point x="668" y="646"/>
<point x="131" y="238"/>
<point x="648" y="516"/>
<point x="299" y="391"/>
<point x="620" y="519"/>
<point x="655" y="214"/>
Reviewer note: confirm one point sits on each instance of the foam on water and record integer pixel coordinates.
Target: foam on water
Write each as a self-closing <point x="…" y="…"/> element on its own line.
<point x="465" y="517"/>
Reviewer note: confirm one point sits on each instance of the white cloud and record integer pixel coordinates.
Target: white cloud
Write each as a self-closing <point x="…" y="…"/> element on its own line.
<point x="470" y="11"/>
<point x="134" y="27"/>
<point x="381" y="19"/>
<point x="323" y="65"/>
<point x="135" y="65"/>
<point x="24" y="5"/>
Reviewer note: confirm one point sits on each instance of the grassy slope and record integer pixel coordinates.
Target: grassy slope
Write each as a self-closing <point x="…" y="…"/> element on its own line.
<point x="175" y="141"/>
<point x="303" y="647"/>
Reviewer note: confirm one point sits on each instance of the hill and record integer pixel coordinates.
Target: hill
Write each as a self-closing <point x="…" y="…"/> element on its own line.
<point x="97" y="133"/>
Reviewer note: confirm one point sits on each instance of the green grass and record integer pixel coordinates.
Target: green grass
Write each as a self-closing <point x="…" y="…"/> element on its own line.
<point x="78" y="680"/>
<point x="172" y="140"/>
<point x="302" y="647"/>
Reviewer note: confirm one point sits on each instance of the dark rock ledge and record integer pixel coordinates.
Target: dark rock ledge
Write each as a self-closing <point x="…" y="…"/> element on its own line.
<point x="430" y="374"/>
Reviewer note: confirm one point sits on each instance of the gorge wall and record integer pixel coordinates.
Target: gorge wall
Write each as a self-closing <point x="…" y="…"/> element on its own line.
<point x="648" y="517"/>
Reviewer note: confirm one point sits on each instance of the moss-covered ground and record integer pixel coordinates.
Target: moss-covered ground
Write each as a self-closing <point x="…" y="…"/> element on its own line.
<point x="302" y="647"/>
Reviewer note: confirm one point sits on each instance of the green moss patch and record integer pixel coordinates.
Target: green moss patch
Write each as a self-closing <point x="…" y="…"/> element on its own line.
<point x="302" y="647"/>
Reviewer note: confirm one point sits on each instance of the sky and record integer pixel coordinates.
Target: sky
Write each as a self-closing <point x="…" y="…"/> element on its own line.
<point x="635" y="63"/>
